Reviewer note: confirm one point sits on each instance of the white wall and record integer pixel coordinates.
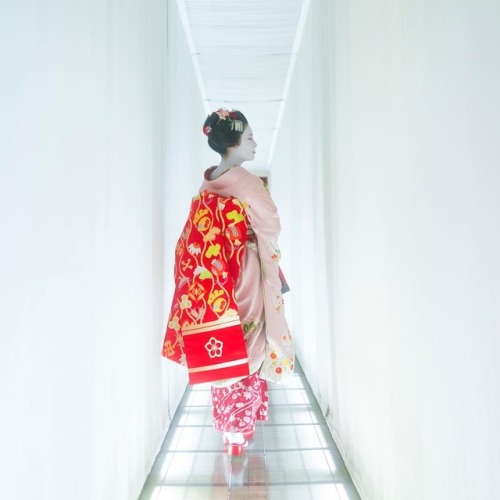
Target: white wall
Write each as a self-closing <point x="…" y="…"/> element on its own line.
<point x="410" y="163"/>
<point x="84" y="92"/>
<point x="187" y="157"/>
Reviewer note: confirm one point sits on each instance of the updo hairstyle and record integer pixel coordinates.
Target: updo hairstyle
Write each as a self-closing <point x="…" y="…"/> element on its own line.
<point x="221" y="131"/>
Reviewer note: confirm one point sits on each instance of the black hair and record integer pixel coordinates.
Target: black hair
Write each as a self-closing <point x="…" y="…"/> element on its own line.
<point x="222" y="133"/>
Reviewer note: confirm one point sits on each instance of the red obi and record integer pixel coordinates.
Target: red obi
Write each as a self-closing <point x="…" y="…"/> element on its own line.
<point x="204" y="330"/>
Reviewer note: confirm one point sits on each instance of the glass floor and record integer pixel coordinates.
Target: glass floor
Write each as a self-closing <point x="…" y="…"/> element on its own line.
<point x="292" y="455"/>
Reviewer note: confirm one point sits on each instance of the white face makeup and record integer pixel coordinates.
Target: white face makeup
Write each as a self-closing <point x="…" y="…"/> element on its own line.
<point x="245" y="151"/>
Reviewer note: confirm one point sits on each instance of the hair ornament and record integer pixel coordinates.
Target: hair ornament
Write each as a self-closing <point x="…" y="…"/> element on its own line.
<point x="207" y="130"/>
<point x="223" y="113"/>
<point x="237" y="125"/>
<point x="230" y="117"/>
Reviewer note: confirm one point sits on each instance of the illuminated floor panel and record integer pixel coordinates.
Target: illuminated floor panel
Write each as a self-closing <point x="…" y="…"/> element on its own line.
<point x="292" y="456"/>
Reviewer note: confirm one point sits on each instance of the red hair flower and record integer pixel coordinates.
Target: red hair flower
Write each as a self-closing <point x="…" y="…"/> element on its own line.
<point x="232" y="120"/>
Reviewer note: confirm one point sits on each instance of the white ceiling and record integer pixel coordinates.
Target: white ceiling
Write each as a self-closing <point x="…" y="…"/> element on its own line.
<point x="244" y="54"/>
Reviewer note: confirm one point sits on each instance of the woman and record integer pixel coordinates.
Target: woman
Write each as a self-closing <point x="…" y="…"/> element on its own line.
<point x="255" y="280"/>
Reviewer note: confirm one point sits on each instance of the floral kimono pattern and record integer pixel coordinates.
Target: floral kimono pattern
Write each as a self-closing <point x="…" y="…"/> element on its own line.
<point x="207" y="265"/>
<point x="237" y="407"/>
<point x="259" y="287"/>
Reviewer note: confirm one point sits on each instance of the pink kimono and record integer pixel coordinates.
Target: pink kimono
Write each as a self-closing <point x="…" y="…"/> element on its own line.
<point x="238" y="403"/>
<point x="258" y="290"/>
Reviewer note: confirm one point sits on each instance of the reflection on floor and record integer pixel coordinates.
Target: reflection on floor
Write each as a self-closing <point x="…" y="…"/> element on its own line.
<point x="292" y="455"/>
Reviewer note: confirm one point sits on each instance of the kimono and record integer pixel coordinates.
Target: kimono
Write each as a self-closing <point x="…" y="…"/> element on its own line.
<point x="204" y="331"/>
<point x="258" y="302"/>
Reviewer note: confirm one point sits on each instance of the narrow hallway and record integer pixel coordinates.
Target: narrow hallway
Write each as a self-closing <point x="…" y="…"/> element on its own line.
<point x="292" y="455"/>
<point x="377" y="124"/>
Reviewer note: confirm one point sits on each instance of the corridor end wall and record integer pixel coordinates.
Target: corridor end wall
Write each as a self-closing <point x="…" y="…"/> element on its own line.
<point x="386" y="175"/>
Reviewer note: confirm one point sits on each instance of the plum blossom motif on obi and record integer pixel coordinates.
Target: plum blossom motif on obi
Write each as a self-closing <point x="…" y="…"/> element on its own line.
<point x="214" y="348"/>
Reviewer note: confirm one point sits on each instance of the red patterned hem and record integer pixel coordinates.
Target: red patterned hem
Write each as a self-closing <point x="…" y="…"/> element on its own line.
<point x="236" y="408"/>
